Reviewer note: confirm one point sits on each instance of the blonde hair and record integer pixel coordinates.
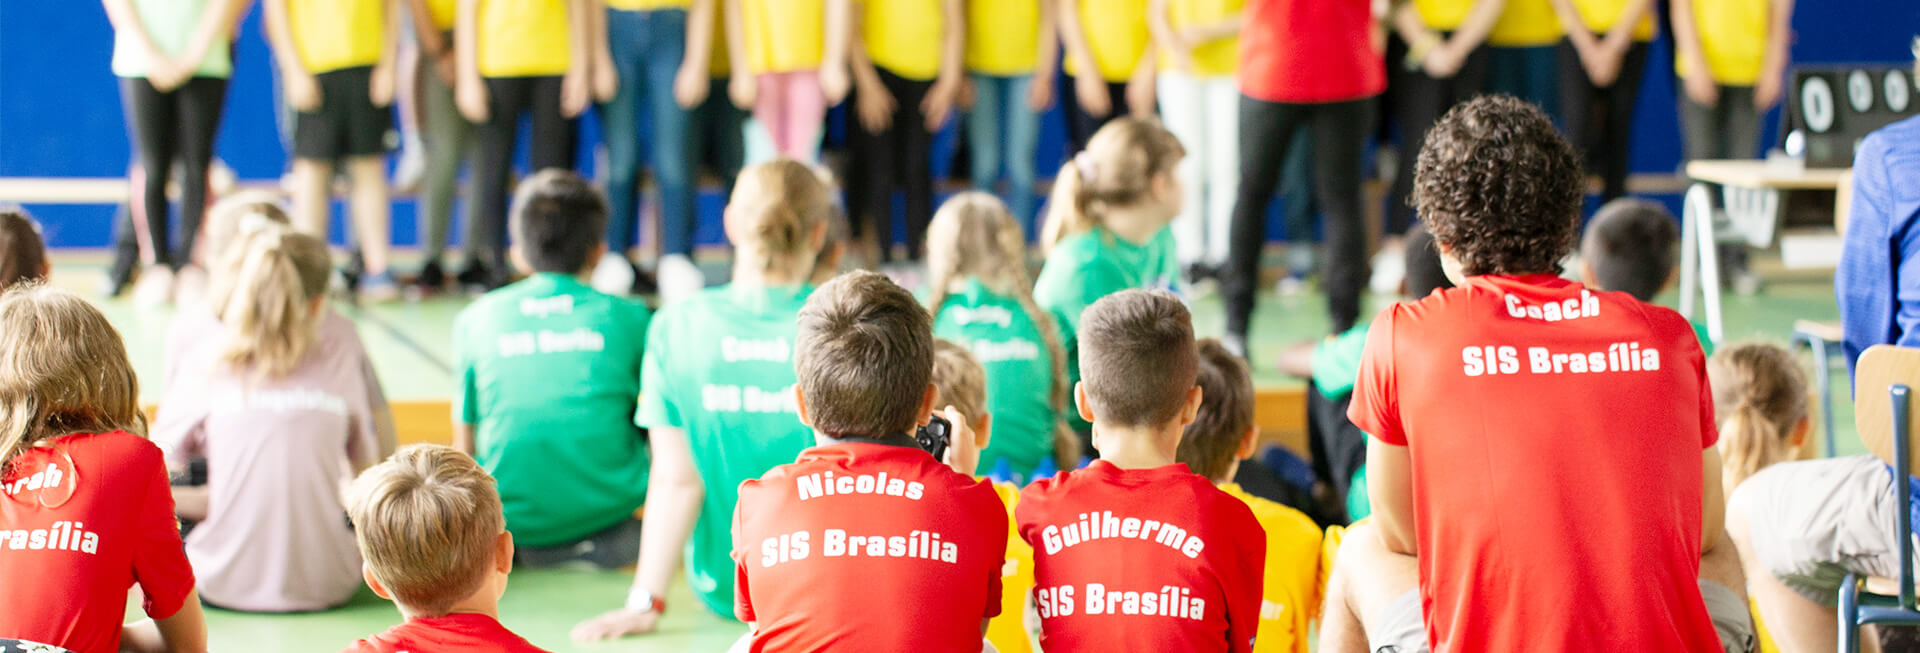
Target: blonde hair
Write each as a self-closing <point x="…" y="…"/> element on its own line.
<point x="427" y="520"/>
<point x="1760" y="394"/>
<point x="781" y="202"/>
<point x="235" y="216"/>
<point x="63" y="370"/>
<point x="960" y="378"/>
<point x="1116" y="169"/>
<point x="974" y="236"/>
<point x="264" y="299"/>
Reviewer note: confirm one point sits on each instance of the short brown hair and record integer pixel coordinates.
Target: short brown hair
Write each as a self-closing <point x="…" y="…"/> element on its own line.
<point x="1499" y="188"/>
<point x="558" y="219"/>
<point x="427" y="520"/>
<point x="1226" y="411"/>
<point x="960" y="378"/>
<point x="863" y="356"/>
<point x="63" y="370"/>
<point x="23" y="253"/>
<point x="1631" y="247"/>
<point x="1137" y="359"/>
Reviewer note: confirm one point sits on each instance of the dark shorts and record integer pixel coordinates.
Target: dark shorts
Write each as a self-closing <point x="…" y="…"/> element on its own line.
<point x="347" y="123"/>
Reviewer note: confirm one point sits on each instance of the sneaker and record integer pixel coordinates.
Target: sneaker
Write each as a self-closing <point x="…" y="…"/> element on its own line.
<point x="644" y="284"/>
<point x="189" y="285"/>
<point x="679" y="278"/>
<point x="474" y="278"/>
<point x="378" y="288"/>
<point x="1389" y="269"/>
<point x="155" y="286"/>
<point x="613" y="275"/>
<point x="432" y="277"/>
<point x="411" y="168"/>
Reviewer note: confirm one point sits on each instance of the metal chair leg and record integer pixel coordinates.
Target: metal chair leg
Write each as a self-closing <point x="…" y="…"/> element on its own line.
<point x="1849" y="615"/>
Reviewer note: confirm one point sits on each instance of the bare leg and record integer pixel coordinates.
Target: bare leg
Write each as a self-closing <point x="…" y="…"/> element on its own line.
<point x="370" y="210"/>
<point x="1366" y="579"/>
<point x="312" y="196"/>
<point x="1797" y="625"/>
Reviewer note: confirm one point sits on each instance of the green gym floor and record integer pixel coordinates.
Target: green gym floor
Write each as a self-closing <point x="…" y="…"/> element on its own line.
<point x="411" y="350"/>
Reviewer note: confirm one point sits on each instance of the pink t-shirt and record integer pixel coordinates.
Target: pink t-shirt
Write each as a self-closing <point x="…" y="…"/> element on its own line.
<point x="278" y="451"/>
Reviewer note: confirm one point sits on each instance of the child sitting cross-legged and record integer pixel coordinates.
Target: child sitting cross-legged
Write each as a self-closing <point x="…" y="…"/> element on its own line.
<point x="1223" y="434"/>
<point x="429" y="523"/>
<point x="1136" y="552"/>
<point x="867" y="517"/>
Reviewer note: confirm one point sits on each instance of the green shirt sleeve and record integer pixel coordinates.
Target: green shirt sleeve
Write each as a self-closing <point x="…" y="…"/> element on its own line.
<point x="658" y="405"/>
<point x="1336" y="362"/>
<point x="466" y="409"/>
<point x="1706" y="340"/>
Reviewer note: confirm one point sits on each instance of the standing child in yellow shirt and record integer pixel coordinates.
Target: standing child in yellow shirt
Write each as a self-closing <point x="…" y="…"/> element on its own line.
<point x="1198" y="43"/>
<point x="1601" y="63"/>
<point x="1109" y="66"/>
<point x="1222" y="435"/>
<point x="907" y="74"/>
<point x="1012" y="56"/>
<point x="789" y="63"/>
<point x="1731" y="56"/>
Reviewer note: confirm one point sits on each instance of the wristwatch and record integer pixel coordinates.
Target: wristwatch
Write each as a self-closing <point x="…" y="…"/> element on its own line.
<point x="641" y="600"/>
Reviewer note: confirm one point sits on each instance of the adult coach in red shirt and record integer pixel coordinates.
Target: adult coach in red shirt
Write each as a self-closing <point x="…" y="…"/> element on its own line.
<point x="1549" y="461"/>
<point x="1309" y="65"/>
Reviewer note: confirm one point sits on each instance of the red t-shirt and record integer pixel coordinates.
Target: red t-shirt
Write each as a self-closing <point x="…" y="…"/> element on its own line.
<point x="1555" y="434"/>
<point x="1310" y="51"/>
<point x="454" y="632"/>
<point x="1142" y="560"/>
<point x="867" y="546"/>
<point x="81" y="520"/>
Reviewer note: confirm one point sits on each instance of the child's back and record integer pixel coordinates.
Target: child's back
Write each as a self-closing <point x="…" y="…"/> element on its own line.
<point x="1138" y="559"/>
<point x="1290" y="594"/>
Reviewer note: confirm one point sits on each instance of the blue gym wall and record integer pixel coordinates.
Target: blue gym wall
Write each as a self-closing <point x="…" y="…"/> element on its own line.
<point x="60" y="112"/>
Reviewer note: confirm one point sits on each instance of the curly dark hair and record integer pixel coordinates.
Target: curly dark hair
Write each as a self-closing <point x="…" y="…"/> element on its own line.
<point x="1499" y="188"/>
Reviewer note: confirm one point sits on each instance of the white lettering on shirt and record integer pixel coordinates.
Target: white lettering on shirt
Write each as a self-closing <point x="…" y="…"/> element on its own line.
<point x="526" y="343"/>
<point x="62" y="536"/>
<point x="47" y="478"/>
<point x="1169" y="601"/>
<point x="819" y="484"/>
<point x="989" y="351"/>
<point x="1493" y="360"/>
<point x="995" y="315"/>
<point x="734" y="350"/>
<point x="279" y="401"/>
<point x="1567" y="309"/>
<point x="748" y="399"/>
<point x="1103" y="525"/>
<point x="547" y="306"/>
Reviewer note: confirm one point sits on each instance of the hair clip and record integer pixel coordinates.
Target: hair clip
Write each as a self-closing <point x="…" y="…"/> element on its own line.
<point x="1086" y="166"/>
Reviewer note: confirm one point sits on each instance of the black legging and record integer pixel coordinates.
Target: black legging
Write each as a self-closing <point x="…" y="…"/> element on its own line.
<point x="552" y="145"/>
<point x="177" y="124"/>
<point x="1339" y="134"/>
<point x="1600" y="120"/>
<point x="1081" y="126"/>
<point x="1420" y="100"/>
<point x="901" y="153"/>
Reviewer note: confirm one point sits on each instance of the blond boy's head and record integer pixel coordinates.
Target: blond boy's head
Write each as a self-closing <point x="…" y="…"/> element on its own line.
<point x="430" y="528"/>
<point x="1222" y="433"/>
<point x="960" y="378"/>
<point x="1137" y="359"/>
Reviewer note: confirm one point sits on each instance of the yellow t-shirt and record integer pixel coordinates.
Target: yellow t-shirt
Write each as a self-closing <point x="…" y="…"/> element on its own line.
<point x="1290" y="598"/>
<point x="1734" y="35"/>
<point x="719" y="66"/>
<point x="647" y="5"/>
<point x="1214" y="58"/>
<point x="1526" y="24"/>
<point x="524" y="38"/>
<point x="1003" y="37"/>
<point x="1600" y="15"/>
<point x="337" y="34"/>
<point x="1008" y="632"/>
<point x="1443" y="15"/>
<point x="443" y="13"/>
<point x="903" y="36"/>
<point x="784" y="35"/>
<point x="1117" y="33"/>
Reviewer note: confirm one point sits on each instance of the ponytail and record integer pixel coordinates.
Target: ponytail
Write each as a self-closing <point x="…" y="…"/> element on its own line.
<point x="1116" y="169"/>
<point x="779" y="204"/>
<point x="265" y="300"/>
<point x="1761" y="395"/>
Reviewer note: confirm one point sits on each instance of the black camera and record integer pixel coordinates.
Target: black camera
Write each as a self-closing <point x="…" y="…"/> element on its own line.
<point x="935" y="437"/>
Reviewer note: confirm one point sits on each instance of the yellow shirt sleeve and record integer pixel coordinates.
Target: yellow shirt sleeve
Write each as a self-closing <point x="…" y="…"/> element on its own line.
<point x="334" y="35"/>
<point x="1117" y="33"/>
<point x="1600" y="15"/>
<point x="442" y="12"/>
<point x="784" y="35"/>
<point x="1215" y="58"/>
<point x="1003" y="37"/>
<point x="1008" y="632"/>
<point x="1734" y="35"/>
<point x="1292" y="582"/>
<point x="524" y="38"/>
<point x="1526" y="24"/>
<point x="903" y="36"/>
<point x="1443" y="15"/>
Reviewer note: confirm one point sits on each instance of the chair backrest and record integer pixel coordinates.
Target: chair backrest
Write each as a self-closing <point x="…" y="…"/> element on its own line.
<point x="1884" y="381"/>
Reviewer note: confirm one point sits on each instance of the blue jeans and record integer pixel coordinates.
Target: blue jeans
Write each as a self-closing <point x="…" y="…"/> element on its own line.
<point x="647" y="47"/>
<point x="1527" y="73"/>
<point x="1000" y="115"/>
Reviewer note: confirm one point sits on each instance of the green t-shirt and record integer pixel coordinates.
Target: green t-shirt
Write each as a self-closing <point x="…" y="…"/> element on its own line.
<point x="719" y="366"/>
<point x="170" y="24"/>
<point x="549" y="374"/>
<point x="1010" y="346"/>
<point x="1706" y="340"/>
<point x="1336" y="362"/>
<point x="1084" y="267"/>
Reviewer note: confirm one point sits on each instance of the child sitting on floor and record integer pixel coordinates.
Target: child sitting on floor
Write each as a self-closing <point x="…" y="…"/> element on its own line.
<point x="1629" y="247"/>
<point x="1136" y="552"/>
<point x="282" y="424"/>
<point x="428" y="521"/>
<point x="867" y="517"/>
<point x="1223" y="434"/>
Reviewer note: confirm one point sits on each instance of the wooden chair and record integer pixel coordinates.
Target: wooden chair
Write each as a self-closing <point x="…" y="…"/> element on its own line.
<point x="1884" y="380"/>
